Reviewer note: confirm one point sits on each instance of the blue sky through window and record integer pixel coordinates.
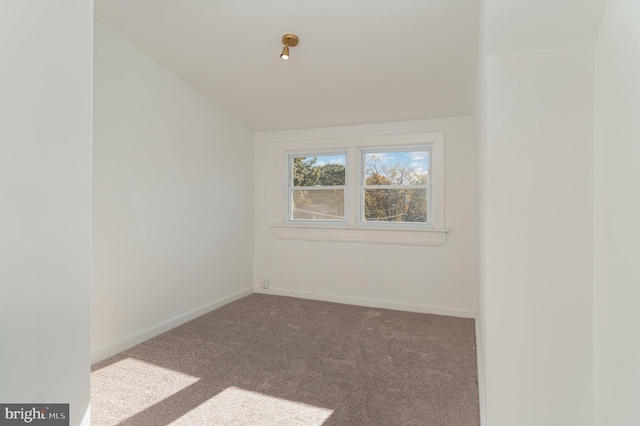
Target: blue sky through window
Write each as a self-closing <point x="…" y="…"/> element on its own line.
<point x="417" y="160"/>
<point x="329" y="159"/>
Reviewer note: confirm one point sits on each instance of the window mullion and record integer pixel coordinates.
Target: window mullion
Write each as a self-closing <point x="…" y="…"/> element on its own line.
<point x="316" y="188"/>
<point x="395" y="186"/>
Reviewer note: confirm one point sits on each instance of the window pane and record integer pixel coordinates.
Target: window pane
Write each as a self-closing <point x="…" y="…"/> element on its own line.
<point x="322" y="170"/>
<point x="395" y="205"/>
<point x="319" y="204"/>
<point x="397" y="168"/>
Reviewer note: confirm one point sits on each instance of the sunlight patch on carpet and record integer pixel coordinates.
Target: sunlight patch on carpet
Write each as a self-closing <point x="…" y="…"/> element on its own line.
<point x="130" y="386"/>
<point x="238" y="407"/>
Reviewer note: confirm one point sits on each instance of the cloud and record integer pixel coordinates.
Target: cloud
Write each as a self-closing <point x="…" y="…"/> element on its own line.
<point x="415" y="156"/>
<point x="382" y="156"/>
<point x="337" y="161"/>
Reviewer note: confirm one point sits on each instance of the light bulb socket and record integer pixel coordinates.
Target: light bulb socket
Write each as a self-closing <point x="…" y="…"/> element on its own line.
<point x="285" y="53"/>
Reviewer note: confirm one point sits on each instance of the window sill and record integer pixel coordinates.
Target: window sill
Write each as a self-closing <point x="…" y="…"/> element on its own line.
<point x="409" y="237"/>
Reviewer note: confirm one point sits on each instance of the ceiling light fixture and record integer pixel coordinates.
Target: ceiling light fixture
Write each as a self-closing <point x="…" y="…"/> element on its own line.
<point x="289" y="40"/>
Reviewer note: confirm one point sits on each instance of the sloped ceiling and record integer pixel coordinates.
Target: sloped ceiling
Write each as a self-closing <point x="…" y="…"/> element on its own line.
<point x="359" y="61"/>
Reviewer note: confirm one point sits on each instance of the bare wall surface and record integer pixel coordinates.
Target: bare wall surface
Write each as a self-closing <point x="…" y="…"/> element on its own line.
<point x="617" y="277"/>
<point x="428" y="279"/>
<point x="538" y="238"/>
<point x="45" y="184"/>
<point x="481" y="136"/>
<point x="173" y="198"/>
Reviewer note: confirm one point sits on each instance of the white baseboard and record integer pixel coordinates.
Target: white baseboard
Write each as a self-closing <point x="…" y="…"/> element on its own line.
<point x="372" y="303"/>
<point x="129" y="342"/>
<point x="481" y="376"/>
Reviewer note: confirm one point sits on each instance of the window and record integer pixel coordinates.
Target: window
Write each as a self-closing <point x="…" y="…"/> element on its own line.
<point x="317" y="184"/>
<point x="382" y="189"/>
<point x="394" y="186"/>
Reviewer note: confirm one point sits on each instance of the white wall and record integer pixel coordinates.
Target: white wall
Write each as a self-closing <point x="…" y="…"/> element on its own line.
<point x="617" y="276"/>
<point x="429" y="279"/>
<point x="481" y="137"/>
<point x="45" y="184"/>
<point x="537" y="219"/>
<point x="173" y="200"/>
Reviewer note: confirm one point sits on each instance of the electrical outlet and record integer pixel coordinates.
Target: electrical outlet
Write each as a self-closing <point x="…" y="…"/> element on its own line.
<point x="266" y="281"/>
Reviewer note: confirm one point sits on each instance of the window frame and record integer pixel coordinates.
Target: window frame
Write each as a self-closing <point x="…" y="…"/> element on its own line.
<point x="362" y="152"/>
<point x="289" y="220"/>
<point x="433" y="236"/>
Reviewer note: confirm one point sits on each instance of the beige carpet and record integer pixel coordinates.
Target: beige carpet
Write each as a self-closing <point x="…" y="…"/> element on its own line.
<point x="269" y="360"/>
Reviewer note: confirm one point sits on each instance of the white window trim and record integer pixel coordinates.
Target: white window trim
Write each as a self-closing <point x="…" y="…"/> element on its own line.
<point x="397" y="236"/>
<point x="436" y="235"/>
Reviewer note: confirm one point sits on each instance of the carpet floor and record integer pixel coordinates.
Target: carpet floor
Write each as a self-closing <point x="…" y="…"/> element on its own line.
<point x="271" y="360"/>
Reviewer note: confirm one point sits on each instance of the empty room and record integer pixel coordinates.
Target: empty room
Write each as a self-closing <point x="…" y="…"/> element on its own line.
<point x="319" y="213"/>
